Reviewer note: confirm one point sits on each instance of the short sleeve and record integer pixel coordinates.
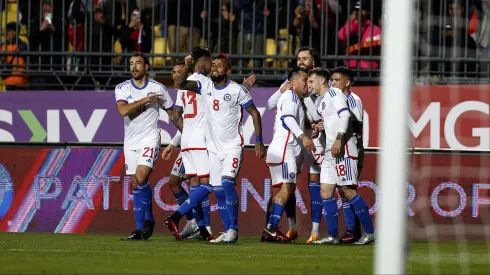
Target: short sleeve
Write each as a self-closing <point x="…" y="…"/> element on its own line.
<point x="167" y="102"/>
<point x="340" y="104"/>
<point x="244" y="99"/>
<point x="178" y="102"/>
<point x="121" y="95"/>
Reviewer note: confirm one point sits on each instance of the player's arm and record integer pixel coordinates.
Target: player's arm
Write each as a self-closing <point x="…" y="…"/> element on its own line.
<point x="259" y="143"/>
<point x="124" y="108"/>
<point x="175" y="116"/>
<point x="274" y="99"/>
<point x="340" y="104"/>
<point x="290" y="108"/>
<point x="167" y="152"/>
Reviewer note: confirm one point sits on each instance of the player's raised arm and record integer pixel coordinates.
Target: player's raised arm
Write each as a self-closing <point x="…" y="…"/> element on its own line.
<point x="290" y="109"/>
<point x="274" y="99"/>
<point x="340" y="103"/>
<point x="189" y="85"/>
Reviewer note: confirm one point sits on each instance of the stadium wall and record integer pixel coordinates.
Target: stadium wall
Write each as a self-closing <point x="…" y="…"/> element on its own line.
<point x="453" y="117"/>
<point x="85" y="190"/>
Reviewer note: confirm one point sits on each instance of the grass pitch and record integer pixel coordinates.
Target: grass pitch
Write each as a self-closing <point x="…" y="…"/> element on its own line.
<point x="32" y="253"/>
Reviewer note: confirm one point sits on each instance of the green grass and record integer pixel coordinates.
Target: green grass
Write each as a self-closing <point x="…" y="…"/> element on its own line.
<point x="107" y="254"/>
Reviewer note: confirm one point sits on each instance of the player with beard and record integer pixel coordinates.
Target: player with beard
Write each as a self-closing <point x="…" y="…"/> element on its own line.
<point x="138" y="101"/>
<point x="307" y="59"/>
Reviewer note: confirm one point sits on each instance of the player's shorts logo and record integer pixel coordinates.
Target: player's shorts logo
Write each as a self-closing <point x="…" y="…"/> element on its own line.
<point x="323" y="105"/>
<point x="227" y="97"/>
<point x="292" y="175"/>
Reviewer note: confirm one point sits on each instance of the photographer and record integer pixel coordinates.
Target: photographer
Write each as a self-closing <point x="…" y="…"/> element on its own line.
<point x="136" y="37"/>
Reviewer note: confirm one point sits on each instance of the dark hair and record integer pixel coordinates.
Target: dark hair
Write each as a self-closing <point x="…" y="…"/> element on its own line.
<point x="225" y="57"/>
<point x="145" y="59"/>
<point x="294" y="72"/>
<point x="178" y="63"/>
<point x="199" y="52"/>
<point x="314" y="54"/>
<point x="347" y="72"/>
<point x="320" y="72"/>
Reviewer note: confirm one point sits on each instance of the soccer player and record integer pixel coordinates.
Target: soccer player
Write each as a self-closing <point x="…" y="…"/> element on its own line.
<point x="342" y="78"/>
<point x="193" y="145"/>
<point x="224" y="102"/>
<point x="138" y="101"/>
<point x="285" y="150"/>
<point x="339" y="166"/>
<point x="307" y="59"/>
<point x="177" y="175"/>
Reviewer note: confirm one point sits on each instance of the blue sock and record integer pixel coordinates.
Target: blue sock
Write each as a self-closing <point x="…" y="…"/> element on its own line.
<point x="276" y="215"/>
<point x="349" y="216"/>
<point x="139" y="212"/>
<point x="181" y="197"/>
<point x="206" y="210"/>
<point x="316" y="201"/>
<point x="231" y="201"/>
<point x="197" y="208"/>
<point x="362" y="211"/>
<point x="146" y="197"/>
<point x="223" y="213"/>
<point x="331" y="216"/>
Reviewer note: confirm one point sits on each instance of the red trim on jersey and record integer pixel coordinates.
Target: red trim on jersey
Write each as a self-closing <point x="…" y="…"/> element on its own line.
<point x="284" y="152"/>
<point x="193" y="149"/>
<point x="203" y="176"/>
<point x="191" y="175"/>
<point x="241" y="136"/>
<point x="347" y="149"/>
<point x="276" y="185"/>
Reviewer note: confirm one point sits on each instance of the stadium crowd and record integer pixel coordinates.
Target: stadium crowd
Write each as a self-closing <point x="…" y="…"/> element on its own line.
<point x="92" y="35"/>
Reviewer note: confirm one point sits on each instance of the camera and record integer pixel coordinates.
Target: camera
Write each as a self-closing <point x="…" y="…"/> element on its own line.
<point x="135" y="16"/>
<point x="48" y="17"/>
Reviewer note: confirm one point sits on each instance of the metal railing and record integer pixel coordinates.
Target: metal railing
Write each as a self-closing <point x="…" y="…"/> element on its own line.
<point x="82" y="44"/>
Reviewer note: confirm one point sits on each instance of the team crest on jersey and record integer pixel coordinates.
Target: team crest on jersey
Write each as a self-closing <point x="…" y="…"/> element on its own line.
<point x="323" y="105"/>
<point x="227" y="97"/>
<point x="292" y="175"/>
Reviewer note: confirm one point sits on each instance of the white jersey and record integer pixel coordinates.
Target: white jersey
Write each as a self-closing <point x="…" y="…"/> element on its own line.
<point x="194" y="131"/>
<point x="141" y="128"/>
<point x="224" y="116"/>
<point x="312" y="103"/>
<point x="284" y="142"/>
<point x="333" y="103"/>
<point x="357" y="117"/>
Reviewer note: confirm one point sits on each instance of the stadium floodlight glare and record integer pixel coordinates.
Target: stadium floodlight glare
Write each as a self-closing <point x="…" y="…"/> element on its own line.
<point x="393" y="170"/>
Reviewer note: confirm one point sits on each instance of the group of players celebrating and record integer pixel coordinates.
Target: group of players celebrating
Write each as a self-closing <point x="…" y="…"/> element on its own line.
<point x="318" y="120"/>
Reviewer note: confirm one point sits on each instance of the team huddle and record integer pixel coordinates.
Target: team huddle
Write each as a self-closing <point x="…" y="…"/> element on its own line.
<point x="318" y="121"/>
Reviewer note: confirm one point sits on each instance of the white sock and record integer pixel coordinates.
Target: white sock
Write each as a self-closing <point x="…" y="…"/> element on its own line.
<point x="192" y="222"/>
<point x="209" y="230"/>
<point x="292" y="223"/>
<point x="269" y="226"/>
<point x="315" y="228"/>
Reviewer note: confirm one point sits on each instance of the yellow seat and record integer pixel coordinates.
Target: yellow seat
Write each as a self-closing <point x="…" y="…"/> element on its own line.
<point x="12" y="6"/>
<point x="160" y="46"/>
<point x="270" y="49"/>
<point x="284" y="47"/>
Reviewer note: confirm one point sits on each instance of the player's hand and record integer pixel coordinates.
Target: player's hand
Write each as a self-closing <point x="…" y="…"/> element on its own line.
<point x="308" y="143"/>
<point x="259" y="150"/>
<point x="167" y="152"/>
<point x="189" y="61"/>
<point x="336" y="148"/>
<point x="316" y="132"/>
<point x="249" y="81"/>
<point x="320" y="126"/>
<point x="287" y="86"/>
<point x="155" y="98"/>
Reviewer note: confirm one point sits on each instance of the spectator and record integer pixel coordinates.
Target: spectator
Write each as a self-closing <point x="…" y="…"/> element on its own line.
<point x="227" y="25"/>
<point x="185" y="23"/>
<point x="13" y="71"/>
<point x="251" y="35"/>
<point x="361" y="35"/>
<point x="136" y="37"/>
<point x="306" y="25"/>
<point x="76" y="18"/>
<point x="45" y="36"/>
